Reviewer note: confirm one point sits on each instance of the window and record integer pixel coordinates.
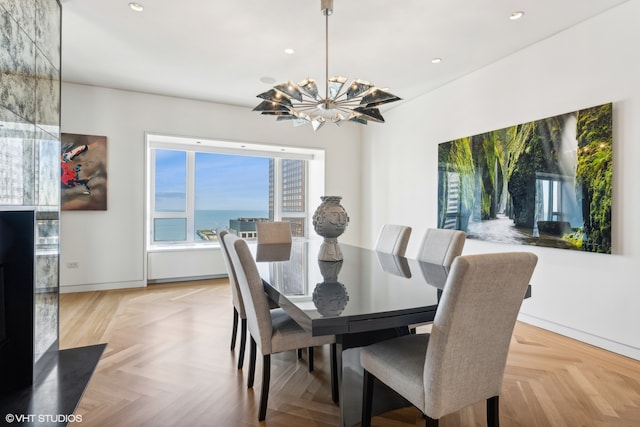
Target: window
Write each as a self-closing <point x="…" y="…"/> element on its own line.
<point x="170" y="195"/>
<point x="549" y="195"/>
<point x="196" y="188"/>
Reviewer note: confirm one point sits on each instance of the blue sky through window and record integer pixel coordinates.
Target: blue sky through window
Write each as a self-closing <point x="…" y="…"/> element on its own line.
<point x="228" y="182"/>
<point x="222" y="181"/>
<point x="170" y="181"/>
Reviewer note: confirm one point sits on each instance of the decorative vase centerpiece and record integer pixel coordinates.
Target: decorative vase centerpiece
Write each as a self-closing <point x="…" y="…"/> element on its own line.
<point x="330" y="220"/>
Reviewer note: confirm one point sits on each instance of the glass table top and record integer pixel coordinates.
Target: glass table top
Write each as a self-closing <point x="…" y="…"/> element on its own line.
<point x="365" y="286"/>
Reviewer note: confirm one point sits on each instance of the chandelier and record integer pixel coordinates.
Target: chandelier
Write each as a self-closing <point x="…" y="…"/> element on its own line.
<point x="302" y="103"/>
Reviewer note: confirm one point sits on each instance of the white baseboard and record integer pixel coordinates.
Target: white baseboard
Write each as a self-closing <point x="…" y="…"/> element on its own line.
<point x="595" y="340"/>
<point x="102" y="287"/>
<point x="186" y="279"/>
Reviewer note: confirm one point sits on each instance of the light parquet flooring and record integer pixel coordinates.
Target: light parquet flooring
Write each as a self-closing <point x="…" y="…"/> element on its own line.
<point x="168" y="363"/>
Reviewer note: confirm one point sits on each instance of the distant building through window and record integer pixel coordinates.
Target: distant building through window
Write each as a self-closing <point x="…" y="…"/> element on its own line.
<point x="292" y="194"/>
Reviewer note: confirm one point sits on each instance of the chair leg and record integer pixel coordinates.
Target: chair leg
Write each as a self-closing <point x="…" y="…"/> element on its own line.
<point x="310" y="357"/>
<point x="493" y="412"/>
<point x="243" y="342"/>
<point x="264" y="394"/>
<point x="299" y="354"/>
<point x="252" y="363"/>
<point x="430" y="422"/>
<point x="367" y="398"/>
<point x="335" y="393"/>
<point x="235" y="328"/>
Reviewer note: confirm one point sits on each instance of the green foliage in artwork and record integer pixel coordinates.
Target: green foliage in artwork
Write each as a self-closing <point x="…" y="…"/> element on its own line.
<point x="517" y="144"/>
<point x="575" y="238"/>
<point x="530" y="160"/>
<point x="488" y="178"/>
<point x="594" y="175"/>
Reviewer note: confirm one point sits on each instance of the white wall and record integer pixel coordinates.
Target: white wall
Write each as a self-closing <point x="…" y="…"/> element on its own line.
<point x="592" y="297"/>
<point x="109" y="245"/>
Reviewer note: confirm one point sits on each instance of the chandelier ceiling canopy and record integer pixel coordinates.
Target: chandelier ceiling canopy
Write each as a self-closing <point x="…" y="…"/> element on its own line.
<point x="302" y="102"/>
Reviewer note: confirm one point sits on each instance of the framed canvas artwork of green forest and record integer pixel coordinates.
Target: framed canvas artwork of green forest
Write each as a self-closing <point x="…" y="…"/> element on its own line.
<point x="545" y="183"/>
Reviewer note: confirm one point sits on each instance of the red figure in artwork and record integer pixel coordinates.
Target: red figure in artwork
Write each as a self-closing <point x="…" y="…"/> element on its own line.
<point x="71" y="175"/>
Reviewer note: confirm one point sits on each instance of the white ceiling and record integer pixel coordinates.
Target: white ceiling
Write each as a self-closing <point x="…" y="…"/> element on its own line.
<point x="218" y="51"/>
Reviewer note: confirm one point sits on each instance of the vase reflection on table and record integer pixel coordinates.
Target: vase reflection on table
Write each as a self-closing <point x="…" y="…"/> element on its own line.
<point x="330" y="296"/>
<point x="330" y="220"/>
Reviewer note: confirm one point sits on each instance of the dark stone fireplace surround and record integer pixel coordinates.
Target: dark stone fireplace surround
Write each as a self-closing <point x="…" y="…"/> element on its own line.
<point x="46" y="387"/>
<point x="17" y="311"/>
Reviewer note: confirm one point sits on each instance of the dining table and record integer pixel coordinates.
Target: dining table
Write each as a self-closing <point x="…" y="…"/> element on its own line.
<point x="366" y="297"/>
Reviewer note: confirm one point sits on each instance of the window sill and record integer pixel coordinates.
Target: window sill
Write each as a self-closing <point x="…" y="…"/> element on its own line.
<point x="179" y="247"/>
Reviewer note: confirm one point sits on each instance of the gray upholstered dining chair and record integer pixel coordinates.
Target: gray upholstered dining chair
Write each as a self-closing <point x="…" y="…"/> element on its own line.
<point x="393" y="239"/>
<point x="462" y="361"/>
<point x="273" y="331"/>
<point x="441" y="246"/>
<point x="273" y="232"/>
<point x="236" y="298"/>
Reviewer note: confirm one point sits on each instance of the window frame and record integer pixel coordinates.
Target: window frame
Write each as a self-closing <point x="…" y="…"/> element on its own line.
<point x="193" y="145"/>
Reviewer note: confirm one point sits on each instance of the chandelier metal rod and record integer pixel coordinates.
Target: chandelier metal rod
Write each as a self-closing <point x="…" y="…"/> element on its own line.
<point x="326" y="12"/>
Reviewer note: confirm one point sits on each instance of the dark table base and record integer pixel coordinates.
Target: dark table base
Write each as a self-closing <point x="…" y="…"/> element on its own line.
<point x="351" y="372"/>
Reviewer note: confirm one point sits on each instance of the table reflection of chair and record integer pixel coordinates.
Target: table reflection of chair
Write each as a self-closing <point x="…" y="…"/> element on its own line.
<point x="393" y="264"/>
<point x="435" y="274"/>
<point x="393" y="239"/>
<point x="273" y="331"/>
<point x="273" y="252"/>
<point x="462" y="361"/>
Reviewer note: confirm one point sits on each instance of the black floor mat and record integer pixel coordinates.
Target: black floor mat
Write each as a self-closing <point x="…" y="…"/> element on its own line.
<point x="51" y="401"/>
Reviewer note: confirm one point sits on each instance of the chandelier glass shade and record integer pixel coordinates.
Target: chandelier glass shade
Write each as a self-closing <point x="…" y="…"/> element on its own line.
<point x="303" y="103"/>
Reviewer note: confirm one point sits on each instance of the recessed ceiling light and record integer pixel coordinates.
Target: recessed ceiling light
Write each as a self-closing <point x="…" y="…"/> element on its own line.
<point x="436" y="60"/>
<point x="267" y="79"/>
<point x="516" y="15"/>
<point x="136" y="6"/>
<point x="289" y="51"/>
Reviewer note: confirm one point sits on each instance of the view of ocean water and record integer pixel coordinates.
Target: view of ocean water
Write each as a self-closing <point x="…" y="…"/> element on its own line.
<point x="210" y="220"/>
<point x="174" y="230"/>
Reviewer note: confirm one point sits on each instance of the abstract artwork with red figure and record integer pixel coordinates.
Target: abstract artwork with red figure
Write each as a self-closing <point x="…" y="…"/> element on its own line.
<point x="83" y="163"/>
